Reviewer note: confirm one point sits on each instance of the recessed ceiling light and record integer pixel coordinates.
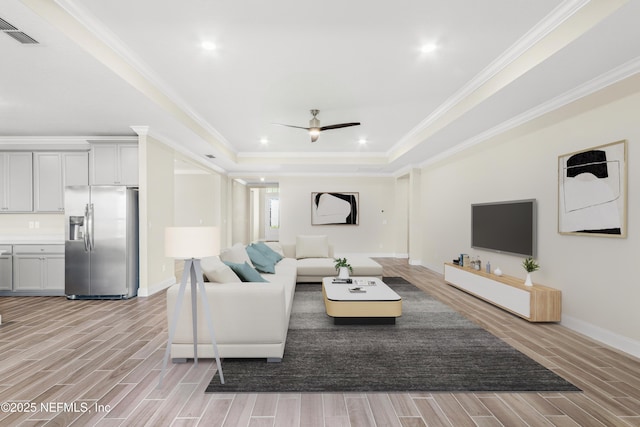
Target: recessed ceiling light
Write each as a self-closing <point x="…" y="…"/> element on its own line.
<point x="429" y="47"/>
<point x="264" y="141"/>
<point x="208" y="46"/>
<point x="362" y="141"/>
<point x="262" y="179"/>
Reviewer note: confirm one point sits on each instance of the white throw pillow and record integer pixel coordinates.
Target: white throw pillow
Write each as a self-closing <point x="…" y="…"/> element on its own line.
<point x="312" y="247"/>
<point x="216" y="271"/>
<point x="223" y="274"/>
<point x="236" y="254"/>
<point x="276" y="247"/>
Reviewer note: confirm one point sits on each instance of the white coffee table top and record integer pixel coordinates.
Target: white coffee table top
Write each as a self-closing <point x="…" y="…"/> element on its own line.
<point x="374" y="290"/>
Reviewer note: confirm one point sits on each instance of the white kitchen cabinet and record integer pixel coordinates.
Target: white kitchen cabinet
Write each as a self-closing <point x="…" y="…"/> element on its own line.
<point x="54" y="171"/>
<point x="114" y="164"/>
<point x="16" y="182"/>
<point x="38" y="268"/>
<point x="6" y="268"/>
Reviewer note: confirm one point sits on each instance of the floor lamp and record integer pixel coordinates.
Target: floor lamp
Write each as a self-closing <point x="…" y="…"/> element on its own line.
<point x="191" y="244"/>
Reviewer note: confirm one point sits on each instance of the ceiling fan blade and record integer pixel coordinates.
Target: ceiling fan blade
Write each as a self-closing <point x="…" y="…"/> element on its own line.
<point x="340" y="125"/>
<point x="290" y="126"/>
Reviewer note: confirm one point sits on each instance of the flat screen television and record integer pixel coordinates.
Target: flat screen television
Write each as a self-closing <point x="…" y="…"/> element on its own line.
<point x="506" y="227"/>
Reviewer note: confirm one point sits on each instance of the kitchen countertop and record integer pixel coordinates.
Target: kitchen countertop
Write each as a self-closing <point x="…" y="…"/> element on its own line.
<point x="35" y="239"/>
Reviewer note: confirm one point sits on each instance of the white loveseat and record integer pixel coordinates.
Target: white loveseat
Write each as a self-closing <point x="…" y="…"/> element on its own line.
<point x="251" y="319"/>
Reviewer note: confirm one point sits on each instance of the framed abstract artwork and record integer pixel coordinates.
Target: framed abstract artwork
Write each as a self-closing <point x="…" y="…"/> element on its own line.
<point x="592" y="191"/>
<point x="334" y="208"/>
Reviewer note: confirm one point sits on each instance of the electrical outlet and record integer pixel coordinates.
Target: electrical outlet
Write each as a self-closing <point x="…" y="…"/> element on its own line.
<point x="37" y="224"/>
<point x="30" y="224"/>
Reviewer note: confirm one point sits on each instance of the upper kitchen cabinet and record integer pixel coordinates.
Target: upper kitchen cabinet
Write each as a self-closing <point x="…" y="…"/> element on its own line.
<point x="16" y="182"/>
<point x="114" y="164"/>
<point x="53" y="172"/>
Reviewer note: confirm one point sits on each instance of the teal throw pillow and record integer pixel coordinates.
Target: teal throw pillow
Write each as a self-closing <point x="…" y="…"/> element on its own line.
<point x="245" y="272"/>
<point x="265" y="250"/>
<point x="261" y="262"/>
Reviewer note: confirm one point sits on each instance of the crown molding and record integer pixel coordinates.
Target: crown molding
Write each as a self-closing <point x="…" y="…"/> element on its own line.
<point x="93" y="36"/>
<point x="565" y="23"/>
<point x="616" y="75"/>
<point x="57" y="142"/>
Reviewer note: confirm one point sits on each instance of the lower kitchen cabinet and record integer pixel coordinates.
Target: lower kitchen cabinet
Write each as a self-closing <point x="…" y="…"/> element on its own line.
<point x="39" y="269"/>
<point x="6" y="268"/>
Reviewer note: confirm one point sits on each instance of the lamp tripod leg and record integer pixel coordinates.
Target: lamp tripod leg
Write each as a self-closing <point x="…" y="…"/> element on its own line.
<point x="174" y="323"/>
<point x="194" y="307"/>
<point x="207" y="313"/>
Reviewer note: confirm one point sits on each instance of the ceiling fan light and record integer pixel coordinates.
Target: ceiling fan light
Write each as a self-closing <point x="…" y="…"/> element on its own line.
<point x="314" y="131"/>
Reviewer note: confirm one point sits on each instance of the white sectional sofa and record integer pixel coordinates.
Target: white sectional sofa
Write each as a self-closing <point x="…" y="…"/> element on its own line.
<point x="315" y="260"/>
<point x="251" y="318"/>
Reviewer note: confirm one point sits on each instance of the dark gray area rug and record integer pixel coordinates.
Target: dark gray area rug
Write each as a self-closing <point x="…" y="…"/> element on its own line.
<point x="431" y="348"/>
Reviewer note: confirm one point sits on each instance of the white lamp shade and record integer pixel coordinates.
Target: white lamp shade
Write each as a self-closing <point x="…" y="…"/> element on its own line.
<point x="191" y="242"/>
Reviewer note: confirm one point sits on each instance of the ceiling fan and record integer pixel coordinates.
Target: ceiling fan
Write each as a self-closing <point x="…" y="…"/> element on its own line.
<point x="315" y="128"/>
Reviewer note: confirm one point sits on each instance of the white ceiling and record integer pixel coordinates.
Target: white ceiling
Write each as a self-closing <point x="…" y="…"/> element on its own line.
<point x="102" y="67"/>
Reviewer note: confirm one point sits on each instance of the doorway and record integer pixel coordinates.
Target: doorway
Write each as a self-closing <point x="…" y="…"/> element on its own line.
<point x="265" y="214"/>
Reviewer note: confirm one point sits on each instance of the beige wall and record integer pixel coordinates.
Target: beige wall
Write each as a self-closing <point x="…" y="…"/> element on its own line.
<point x="241" y="214"/>
<point x="156" y="213"/>
<point x="597" y="276"/>
<point x="195" y="202"/>
<point x="375" y="235"/>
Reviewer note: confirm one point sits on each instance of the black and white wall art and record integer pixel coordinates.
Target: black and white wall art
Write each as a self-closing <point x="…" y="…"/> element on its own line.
<point x="334" y="209"/>
<point x="592" y="191"/>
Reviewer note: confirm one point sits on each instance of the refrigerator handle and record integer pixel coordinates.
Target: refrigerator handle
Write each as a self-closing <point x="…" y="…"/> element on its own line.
<point x="85" y="237"/>
<point x="90" y="228"/>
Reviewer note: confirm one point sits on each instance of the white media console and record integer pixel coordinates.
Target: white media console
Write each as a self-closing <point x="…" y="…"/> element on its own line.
<point x="535" y="303"/>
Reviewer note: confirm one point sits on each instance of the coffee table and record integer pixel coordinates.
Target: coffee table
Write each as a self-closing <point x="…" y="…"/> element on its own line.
<point x="375" y="303"/>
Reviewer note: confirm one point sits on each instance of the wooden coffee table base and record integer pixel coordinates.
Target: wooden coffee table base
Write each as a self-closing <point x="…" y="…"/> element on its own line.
<point x="362" y="311"/>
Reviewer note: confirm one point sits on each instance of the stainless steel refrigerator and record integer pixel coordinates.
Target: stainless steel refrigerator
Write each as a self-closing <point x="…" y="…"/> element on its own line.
<point x="101" y="244"/>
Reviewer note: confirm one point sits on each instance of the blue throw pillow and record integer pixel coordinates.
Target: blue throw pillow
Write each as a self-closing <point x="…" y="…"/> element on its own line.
<point x="245" y="272"/>
<point x="265" y="250"/>
<point x="261" y="262"/>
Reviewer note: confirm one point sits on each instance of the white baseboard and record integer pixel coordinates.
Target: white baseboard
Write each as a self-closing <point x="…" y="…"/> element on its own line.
<point x="368" y="255"/>
<point x="157" y="287"/>
<point x="607" y="337"/>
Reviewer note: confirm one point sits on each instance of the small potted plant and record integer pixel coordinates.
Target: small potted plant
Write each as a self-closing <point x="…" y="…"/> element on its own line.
<point x="343" y="268"/>
<point x="530" y="265"/>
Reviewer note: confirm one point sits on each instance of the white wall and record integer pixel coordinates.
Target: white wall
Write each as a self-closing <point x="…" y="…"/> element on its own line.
<point x="49" y="225"/>
<point x="375" y="233"/>
<point x="597" y="275"/>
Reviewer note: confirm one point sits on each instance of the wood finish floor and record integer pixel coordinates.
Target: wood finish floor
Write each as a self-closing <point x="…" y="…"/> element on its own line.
<point x="85" y="363"/>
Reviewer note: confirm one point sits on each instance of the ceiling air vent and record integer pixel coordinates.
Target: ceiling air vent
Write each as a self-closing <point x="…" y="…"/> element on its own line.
<point x="5" y="26"/>
<point x="211" y="156"/>
<point x="21" y="37"/>
<point x="16" y="34"/>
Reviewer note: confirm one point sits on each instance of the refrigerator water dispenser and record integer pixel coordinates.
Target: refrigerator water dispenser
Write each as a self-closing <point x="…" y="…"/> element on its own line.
<point x="76" y="227"/>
